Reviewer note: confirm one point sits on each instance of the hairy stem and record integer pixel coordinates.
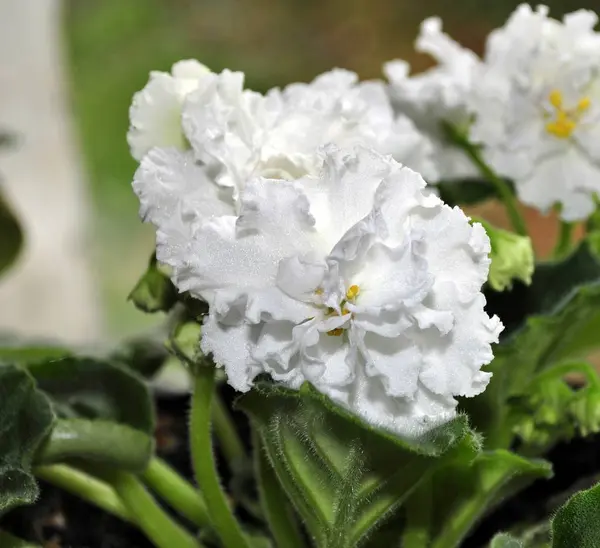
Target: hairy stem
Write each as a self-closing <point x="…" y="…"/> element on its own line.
<point x="175" y="490"/>
<point x="222" y="518"/>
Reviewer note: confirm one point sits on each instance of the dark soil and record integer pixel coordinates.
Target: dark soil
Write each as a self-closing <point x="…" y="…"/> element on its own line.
<point x="59" y="520"/>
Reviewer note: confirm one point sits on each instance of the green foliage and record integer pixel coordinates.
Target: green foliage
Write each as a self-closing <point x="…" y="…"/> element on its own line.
<point x="105" y="413"/>
<point x="550" y="409"/>
<point x="154" y="292"/>
<point x="356" y="476"/>
<point x="145" y="355"/>
<point x="11" y="236"/>
<point x="9" y="541"/>
<point x="577" y="523"/>
<point x="561" y="303"/>
<point x="475" y="489"/>
<point x="30" y="353"/>
<point x="25" y="420"/>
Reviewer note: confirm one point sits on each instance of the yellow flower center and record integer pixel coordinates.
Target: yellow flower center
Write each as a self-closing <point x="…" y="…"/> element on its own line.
<point x="351" y="294"/>
<point x="565" y="120"/>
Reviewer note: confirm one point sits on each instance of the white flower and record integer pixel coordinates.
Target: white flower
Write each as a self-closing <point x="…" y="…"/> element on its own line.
<point x="177" y="195"/>
<point x="437" y="95"/>
<point x="155" y="113"/>
<point x="242" y="134"/>
<point x="352" y="279"/>
<point x="537" y="107"/>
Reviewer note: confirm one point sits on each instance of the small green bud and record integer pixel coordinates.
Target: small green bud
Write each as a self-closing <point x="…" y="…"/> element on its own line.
<point x="154" y="291"/>
<point x="512" y="257"/>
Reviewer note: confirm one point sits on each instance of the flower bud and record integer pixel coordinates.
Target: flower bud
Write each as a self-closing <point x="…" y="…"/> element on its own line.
<point x="512" y="257"/>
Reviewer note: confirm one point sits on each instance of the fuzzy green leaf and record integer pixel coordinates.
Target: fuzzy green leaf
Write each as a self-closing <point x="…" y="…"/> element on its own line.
<point x="145" y="355"/>
<point x="562" y="302"/>
<point x="11" y="236"/>
<point x="105" y="412"/>
<point x="31" y="353"/>
<point x="356" y="476"/>
<point x="25" y="419"/>
<point x="154" y="292"/>
<point x="577" y="523"/>
<point x="551" y="410"/>
<point x="491" y="478"/>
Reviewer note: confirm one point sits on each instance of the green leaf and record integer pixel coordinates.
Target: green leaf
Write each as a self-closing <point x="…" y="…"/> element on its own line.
<point x="356" y="476"/>
<point x="554" y="285"/>
<point x="562" y="302"/>
<point x="105" y="410"/>
<point x="577" y="523"/>
<point x="9" y="541"/>
<point x="154" y="292"/>
<point x="464" y="494"/>
<point x="11" y="236"/>
<point x="25" y="419"/>
<point x="31" y="353"/>
<point x="551" y="410"/>
<point x="504" y="540"/>
<point x="144" y="355"/>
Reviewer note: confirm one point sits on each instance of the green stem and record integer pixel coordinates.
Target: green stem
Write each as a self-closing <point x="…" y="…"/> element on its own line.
<point x="150" y="517"/>
<point x="419" y="506"/>
<point x="175" y="490"/>
<point x="274" y="502"/>
<point x="203" y="461"/>
<point x="231" y="444"/>
<point x="565" y="237"/>
<point x="503" y="190"/>
<point x="85" y="487"/>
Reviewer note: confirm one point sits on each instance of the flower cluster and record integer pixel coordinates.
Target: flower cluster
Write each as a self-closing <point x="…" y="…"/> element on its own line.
<point x="302" y="217"/>
<point x="531" y="103"/>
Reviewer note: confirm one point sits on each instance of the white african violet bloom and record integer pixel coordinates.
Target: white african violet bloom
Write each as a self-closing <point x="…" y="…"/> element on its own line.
<point x="155" y="113"/>
<point x="241" y="134"/>
<point x="352" y="279"/>
<point x="537" y="107"/>
<point x="437" y="95"/>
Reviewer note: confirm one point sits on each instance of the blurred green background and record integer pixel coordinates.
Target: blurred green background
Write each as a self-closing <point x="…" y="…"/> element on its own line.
<point x="114" y="44"/>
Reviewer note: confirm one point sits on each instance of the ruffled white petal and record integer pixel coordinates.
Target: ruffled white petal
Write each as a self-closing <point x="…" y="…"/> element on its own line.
<point x="388" y="321"/>
<point x="155" y="113"/>
<point x="535" y="71"/>
<point x="170" y="183"/>
<point x="244" y="134"/>
<point x="438" y="95"/>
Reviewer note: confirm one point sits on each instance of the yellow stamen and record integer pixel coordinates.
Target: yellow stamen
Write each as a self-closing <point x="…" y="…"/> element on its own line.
<point x="352" y="292"/>
<point x="556" y="99"/>
<point x="565" y="120"/>
<point x="319" y="291"/>
<point x="584" y="104"/>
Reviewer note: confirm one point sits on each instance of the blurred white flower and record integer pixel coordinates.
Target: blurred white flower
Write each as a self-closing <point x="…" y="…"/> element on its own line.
<point x="241" y="134"/>
<point x="155" y="112"/>
<point x="437" y="95"/>
<point x="352" y="279"/>
<point x="537" y="107"/>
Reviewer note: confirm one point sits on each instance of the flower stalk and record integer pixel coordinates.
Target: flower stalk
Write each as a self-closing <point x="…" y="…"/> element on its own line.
<point x="223" y="520"/>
